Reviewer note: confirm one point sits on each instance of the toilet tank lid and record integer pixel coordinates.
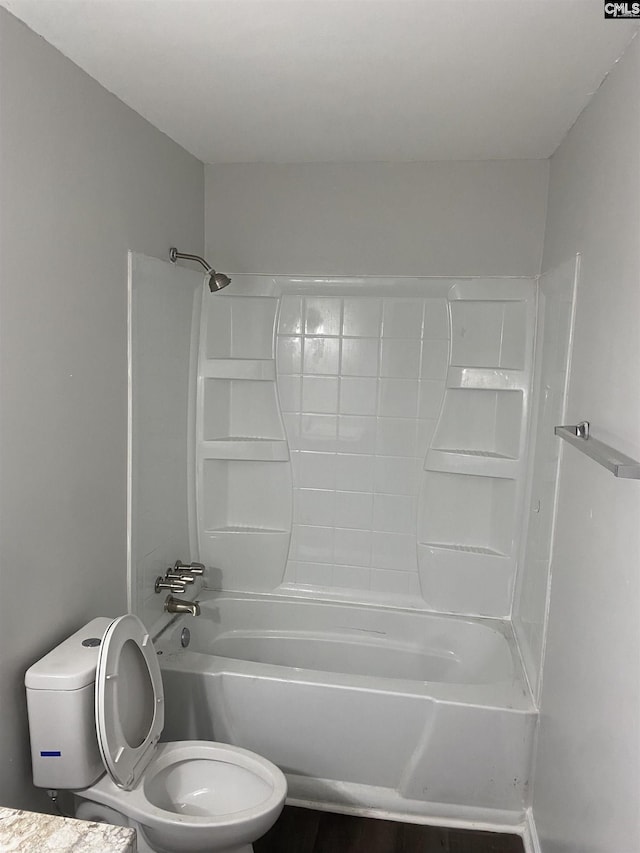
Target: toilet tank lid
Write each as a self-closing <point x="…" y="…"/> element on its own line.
<point x="72" y="664"/>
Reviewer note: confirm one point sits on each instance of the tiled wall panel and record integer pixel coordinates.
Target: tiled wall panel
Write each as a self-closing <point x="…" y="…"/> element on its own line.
<point x="360" y="381"/>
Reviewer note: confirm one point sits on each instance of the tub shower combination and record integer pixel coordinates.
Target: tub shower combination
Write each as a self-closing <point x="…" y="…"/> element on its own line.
<point x="401" y="711"/>
<point x="358" y="485"/>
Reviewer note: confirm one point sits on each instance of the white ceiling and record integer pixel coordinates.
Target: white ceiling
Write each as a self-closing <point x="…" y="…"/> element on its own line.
<point x="343" y="80"/>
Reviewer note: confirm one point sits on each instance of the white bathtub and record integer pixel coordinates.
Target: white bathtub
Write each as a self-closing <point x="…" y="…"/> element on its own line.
<point x="362" y="707"/>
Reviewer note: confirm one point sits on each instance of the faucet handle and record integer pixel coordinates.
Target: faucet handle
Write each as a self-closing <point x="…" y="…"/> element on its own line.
<point x="192" y="568"/>
<point x="182" y="576"/>
<point x="172" y="585"/>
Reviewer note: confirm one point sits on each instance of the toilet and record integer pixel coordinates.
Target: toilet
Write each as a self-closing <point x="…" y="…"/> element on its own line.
<point x="96" y="713"/>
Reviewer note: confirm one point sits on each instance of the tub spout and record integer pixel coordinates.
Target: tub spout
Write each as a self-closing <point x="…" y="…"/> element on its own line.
<point x="178" y="605"/>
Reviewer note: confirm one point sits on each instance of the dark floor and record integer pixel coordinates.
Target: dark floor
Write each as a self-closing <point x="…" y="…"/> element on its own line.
<point x="307" y="831"/>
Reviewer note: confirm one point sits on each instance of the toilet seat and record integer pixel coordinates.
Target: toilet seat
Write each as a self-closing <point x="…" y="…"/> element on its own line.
<point x="193" y="796"/>
<point x="129" y="700"/>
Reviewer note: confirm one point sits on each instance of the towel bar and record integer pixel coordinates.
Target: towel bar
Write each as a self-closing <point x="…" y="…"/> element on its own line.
<point x="619" y="464"/>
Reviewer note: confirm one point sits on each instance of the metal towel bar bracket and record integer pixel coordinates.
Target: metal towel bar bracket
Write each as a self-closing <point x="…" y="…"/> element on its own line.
<point x="579" y="436"/>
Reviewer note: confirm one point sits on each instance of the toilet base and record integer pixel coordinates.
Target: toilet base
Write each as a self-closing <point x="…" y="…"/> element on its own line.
<point x="144" y="847"/>
<point x="96" y="812"/>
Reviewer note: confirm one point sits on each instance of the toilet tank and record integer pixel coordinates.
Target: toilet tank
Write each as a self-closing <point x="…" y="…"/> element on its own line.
<point x="61" y="709"/>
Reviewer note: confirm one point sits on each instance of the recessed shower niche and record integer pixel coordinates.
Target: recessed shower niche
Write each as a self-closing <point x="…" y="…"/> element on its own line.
<point x="241" y="495"/>
<point x="468" y="513"/>
<point x="487" y="333"/>
<point x="481" y="422"/>
<point x="240" y="409"/>
<point x="240" y="327"/>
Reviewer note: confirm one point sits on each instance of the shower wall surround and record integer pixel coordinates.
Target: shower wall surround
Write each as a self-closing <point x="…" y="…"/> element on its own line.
<point x="365" y="438"/>
<point x="556" y="297"/>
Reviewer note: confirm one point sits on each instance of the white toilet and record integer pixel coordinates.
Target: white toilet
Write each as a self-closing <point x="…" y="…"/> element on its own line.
<point x="96" y="703"/>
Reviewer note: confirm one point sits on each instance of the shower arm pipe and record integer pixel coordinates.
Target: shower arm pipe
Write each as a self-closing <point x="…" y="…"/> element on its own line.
<point x="174" y="254"/>
<point x="216" y="280"/>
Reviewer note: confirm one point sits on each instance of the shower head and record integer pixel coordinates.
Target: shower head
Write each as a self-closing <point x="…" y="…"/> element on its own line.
<point x="215" y="280"/>
<point x="218" y="280"/>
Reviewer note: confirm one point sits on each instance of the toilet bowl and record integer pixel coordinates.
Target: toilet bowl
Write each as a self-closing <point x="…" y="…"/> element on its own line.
<point x="182" y="797"/>
<point x="197" y="796"/>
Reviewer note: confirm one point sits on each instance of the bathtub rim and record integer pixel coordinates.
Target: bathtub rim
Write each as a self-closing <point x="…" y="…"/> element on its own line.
<point x="284" y="596"/>
<point x="512" y="694"/>
<point x="324" y="595"/>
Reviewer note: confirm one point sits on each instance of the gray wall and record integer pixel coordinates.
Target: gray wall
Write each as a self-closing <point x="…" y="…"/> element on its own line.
<point x="458" y="218"/>
<point x="82" y="179"/>
<point x="587" y="785"/>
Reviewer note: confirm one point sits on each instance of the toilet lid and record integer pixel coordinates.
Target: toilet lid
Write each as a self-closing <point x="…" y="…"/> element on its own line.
<point x="129" y="700"/>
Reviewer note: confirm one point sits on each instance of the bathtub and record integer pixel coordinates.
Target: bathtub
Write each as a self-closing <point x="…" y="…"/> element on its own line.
<point x="366" y="709"/>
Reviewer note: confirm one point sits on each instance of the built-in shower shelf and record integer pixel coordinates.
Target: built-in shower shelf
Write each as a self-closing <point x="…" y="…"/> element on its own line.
<point x="253" y="449"/>
<point x="239" y="368"/>
<point x="240" y="529"/>
<point x="489" y="454"/>
<point x="490" y="290"/>
<point x="481" y="463"/>
<point x="467" y="549"/>
<point x="439" y="561"/>
<point x="486" y="378"/>
<point x="245" y="557"/>
<point x="471" y="515"/>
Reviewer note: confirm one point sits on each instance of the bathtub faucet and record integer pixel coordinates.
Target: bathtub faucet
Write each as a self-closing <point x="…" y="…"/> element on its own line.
<point x="178" y="605"/>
